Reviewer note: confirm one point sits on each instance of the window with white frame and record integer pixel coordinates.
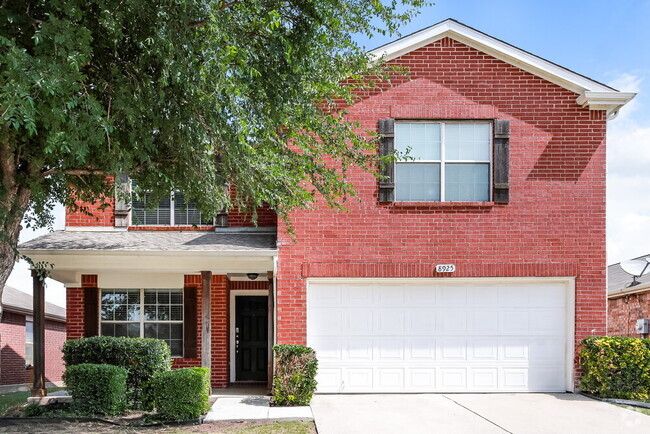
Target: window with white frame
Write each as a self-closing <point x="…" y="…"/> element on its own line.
<point x="173" y="210"/>
<point x="447" y="161"/>
<point x="146" y="313"/>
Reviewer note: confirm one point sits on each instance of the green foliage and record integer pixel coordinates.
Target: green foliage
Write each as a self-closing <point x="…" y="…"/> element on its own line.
<point x="142" y="358"/>
<point x="183" y="93"/>
<point x="616" y="367"/>
<point x="181" y="394"/>
<point x="294" y="380"/>
<point x="97" y="389"/>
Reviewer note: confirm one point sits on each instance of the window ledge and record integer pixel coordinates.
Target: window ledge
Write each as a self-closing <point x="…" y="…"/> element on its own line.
<point x="440" y="205"/>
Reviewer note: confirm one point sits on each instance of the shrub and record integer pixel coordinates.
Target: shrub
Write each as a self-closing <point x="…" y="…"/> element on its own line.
<point x="615" y="367"/>
<point x="142" y="358"/>
<point x="294" y="380"/>
<point x="97" y="389"/>
<point x="181" y="394"/>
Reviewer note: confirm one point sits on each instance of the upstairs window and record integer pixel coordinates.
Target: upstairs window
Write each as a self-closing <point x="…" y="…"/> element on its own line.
<point x="173" y="210"/>
<point x="448" y="161"/>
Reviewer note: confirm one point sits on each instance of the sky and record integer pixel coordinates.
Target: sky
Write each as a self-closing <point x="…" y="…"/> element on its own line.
<point x="607" y="41"/>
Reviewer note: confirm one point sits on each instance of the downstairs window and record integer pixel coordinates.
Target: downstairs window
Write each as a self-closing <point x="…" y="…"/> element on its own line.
<point x="145" y="313"/>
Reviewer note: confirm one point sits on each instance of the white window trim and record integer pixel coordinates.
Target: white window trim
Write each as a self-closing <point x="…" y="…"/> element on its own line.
<point x="142" y="322"/>
<point x="443" y="162"/>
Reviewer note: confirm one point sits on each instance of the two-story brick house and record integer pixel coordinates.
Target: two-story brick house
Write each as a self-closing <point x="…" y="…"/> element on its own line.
<point x="476" y="265"/>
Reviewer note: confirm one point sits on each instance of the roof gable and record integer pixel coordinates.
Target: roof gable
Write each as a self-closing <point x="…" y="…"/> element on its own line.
<point x="591" y="93"/>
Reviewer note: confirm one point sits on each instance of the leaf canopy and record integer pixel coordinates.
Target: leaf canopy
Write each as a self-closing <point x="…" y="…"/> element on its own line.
<point x="191" y="94"/>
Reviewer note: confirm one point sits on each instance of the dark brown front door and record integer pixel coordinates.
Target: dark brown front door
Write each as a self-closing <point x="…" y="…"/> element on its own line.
<point x="251" y="338"/>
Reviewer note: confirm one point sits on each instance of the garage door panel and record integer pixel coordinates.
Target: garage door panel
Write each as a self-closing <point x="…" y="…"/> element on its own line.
<point x="422" y="338"/>
<point x="421" y="295"/>
<point x="421" y="379"/>
<point x="389" y="321"/>
<point x="515" y="322"/>
<point x="484" y="296"/>
<point x="453" y="295"/>
<point x="484" y="322"/>
<point x="390" y="296"/>
<point x="423" y="349"/>
<point x="358" y="349"/>
<point x="451" y="349"/>
<point x="483" y="350"/>
<point x="420" y="321"/>
<point x="326" y="320"/>
<point x="451" y="321"/>
<point x="390" y="378"/>
<point x="452" y="379"/>
<point x="390" y="350"/>
<point x="358" y="295"/>
<point x="358" y="321"/>
<point x="513" y="296"/>
<point x="484" y="378"/>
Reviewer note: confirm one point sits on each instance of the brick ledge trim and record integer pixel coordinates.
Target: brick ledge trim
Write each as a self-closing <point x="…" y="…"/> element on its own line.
<point x="391" y="269"/>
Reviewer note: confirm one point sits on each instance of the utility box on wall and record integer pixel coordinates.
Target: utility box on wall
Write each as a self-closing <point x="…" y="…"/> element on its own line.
<point x="642" y="326"/>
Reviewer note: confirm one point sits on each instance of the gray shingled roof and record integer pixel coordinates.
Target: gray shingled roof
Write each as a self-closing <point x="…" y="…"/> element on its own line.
<point x="617" y="279"/>
<point x="18" y="301"/>
<point x="153" y="241"/>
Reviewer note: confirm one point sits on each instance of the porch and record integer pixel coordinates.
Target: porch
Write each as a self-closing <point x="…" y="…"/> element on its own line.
<point x="156" y="284"/>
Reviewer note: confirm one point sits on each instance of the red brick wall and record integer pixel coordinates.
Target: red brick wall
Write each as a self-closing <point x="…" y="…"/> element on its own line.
<point x="99" y="217"/>
<point x="219" y="323"/>
<point x="12" y="349"/>
<point x="622" y="313"/>
<point x="556" y="213"/>
<point x="106" y="218"/>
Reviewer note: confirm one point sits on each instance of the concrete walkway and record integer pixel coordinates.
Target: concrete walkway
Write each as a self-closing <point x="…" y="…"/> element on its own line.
<point x="533" y="413"/>
<point x="253" y="407"/>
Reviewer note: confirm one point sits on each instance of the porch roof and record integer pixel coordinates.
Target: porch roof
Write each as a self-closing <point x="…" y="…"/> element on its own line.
<point x="151" y="259"/>
<point x="145" y="241"/>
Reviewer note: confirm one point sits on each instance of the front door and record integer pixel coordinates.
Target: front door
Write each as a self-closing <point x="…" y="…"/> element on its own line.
<point x="251" y="338"/>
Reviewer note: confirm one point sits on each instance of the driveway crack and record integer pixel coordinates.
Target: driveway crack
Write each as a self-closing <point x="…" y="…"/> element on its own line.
<point x="479" y="415"/>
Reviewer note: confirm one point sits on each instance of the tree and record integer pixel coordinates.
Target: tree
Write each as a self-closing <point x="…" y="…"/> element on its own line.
<point x="194" y="94"/>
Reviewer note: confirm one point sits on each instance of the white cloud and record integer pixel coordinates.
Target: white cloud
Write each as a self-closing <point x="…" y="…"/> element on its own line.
<point x="628" y="176"/>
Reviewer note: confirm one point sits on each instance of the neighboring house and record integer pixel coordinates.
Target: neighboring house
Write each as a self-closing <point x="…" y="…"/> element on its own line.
<point x="16" y="340"/>
<point x="626" y="304"/>
<point x="478" y="266"/>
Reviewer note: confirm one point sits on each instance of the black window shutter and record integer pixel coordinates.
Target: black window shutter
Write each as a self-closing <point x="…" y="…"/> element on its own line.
<point x="501" y="161"/>
<point x="91" y="312"/>
<point x="189" y="323"/>
<point x="387" y="170"/>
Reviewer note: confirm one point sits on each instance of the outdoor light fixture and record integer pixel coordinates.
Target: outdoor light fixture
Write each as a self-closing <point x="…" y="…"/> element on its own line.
<point x="253" y="276"/>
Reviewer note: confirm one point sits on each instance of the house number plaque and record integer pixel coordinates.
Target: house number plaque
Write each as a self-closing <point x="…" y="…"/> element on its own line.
<point x="445" y="268"/>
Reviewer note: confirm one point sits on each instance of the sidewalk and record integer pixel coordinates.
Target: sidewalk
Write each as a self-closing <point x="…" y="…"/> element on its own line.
<point x="253" y="407"/>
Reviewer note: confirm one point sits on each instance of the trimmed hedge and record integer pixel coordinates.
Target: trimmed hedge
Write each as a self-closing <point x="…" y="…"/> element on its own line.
<point x="294" y="381"/>
<point x="141" y="357"/>
<point x="97" y="389"/>
<point x="181" y="394"/>
<point x="616" y="367"/>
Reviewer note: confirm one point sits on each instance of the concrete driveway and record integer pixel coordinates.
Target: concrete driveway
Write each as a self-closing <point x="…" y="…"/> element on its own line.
<point x="542" y="413"/>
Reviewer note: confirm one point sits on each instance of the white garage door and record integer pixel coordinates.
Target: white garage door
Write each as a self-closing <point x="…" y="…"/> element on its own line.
<point x="438" y="337"/>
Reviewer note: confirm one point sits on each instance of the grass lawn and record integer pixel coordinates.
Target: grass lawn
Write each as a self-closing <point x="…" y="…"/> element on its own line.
<point x="16" y="398"/>
<point x="639" y="409"/>
<point x="278" y="428"/>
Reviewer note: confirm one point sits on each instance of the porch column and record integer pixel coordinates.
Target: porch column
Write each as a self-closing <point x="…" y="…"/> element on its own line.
<point x="38" y="388"/>
<point x="206" y="335"/>
<point x="271" y="333"/>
